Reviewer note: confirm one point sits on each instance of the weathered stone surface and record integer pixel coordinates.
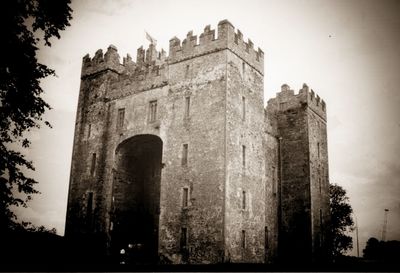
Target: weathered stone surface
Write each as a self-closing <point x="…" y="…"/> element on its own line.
<point x="177" y="153"/>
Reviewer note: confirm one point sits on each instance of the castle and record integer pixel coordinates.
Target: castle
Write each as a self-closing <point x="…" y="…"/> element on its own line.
<point x="177" y="156"/>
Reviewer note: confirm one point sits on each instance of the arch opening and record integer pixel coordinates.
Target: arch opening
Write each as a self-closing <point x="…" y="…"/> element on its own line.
<point x="136" y="197"/>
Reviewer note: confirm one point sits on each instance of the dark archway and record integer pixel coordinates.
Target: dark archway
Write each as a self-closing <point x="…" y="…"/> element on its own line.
<point x="136" y="197"/>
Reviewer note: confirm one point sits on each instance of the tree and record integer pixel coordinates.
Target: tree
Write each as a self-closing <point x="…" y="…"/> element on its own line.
<point x="22" y="22"/>
<point x="341" y="220"/>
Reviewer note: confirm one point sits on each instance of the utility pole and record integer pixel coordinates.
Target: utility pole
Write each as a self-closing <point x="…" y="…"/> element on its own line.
<point x="384" y="225"/>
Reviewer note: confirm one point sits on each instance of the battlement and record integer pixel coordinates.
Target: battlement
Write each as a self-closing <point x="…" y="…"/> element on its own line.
<point x="151" y="63"/>
<point x="208" y="43"/>
<point x="287" y="99"/>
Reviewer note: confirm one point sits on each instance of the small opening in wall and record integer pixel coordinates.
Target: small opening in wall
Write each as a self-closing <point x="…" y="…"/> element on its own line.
<point x="185" y="197"/>
<point x="184" y="238"/>
<point x="187" y="106"/>
<point x="243" y="199"/>
<point x="243" y="156"/>
<point x="185" y="149"/>
<point x="243" y="239"/>
<point x="153" y="111"/>
<point x="121" y="117"/>
<point x="93" y="166"/>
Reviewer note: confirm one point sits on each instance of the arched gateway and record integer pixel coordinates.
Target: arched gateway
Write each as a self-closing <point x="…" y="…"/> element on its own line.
<point x="136" y="195"/>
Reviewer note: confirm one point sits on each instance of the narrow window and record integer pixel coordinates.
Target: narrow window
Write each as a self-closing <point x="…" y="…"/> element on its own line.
<point x="153" y="111"/>
<point x="89" y="130"/>
<point x="187" y="106"/>
<point x="319" y="182"/>
<point x="243" y="239"/>
<point x="184" y="154"/>
<point x="266" y="238"/>
<point x="89" y="209"/>
<point x="184" y="238"/>
<point x="185" y="197"/>
<point x="121" y="117"/>
<point x="187" y="71"/>
<point x="243" y="108"/>
<point x="93" y="166"/>
<point x="243" y="155"/>
<point x="318" y="150"/>
<point x="243" y="67"/>
<point x="243" y="199"/>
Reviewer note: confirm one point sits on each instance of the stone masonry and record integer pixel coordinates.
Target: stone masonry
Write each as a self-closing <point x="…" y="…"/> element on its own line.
<point x="177" y="157"/>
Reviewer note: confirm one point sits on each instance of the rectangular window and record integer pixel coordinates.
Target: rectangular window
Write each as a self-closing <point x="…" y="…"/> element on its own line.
<point x="185" y="197"/>
<point x="266" y="238"/>
<point x="187" y="107"/>
<point x="153" y="111"/>
<point x="89" y="210"/>
<point x="243" y="199"/>
<point x="318" y="150"/>
<point x="244" y="156"/>
<point x="243" y="108"/>
<point x="243" y="68"/>
<point x="187" y="71"/>
<point x="93" y="166"/>
<point x="89" y="207"/>
<point x="243" y="239"/>
<point x="185" y="154"/>
<point x="121" y="117"/>
<point x="89" y="130"/>
<point x="184" y="237"/>
<point x="320" y="186"/>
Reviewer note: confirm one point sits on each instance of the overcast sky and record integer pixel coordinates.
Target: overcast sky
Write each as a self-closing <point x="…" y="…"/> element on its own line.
<point x="347" y="51"/>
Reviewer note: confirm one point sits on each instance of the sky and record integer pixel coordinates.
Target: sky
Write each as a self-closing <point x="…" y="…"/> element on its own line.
<point x="347" y="51"/>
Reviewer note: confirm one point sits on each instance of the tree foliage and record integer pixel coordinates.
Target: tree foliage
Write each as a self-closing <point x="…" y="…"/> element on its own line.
<point x="341" y="220"/>
<point x="22" y="22"/>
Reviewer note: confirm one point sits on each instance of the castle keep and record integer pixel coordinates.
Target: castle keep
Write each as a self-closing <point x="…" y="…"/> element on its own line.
<point x="177" y="156"/>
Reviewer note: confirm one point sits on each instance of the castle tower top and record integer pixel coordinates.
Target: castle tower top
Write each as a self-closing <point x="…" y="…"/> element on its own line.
<point x="286" y="99"/>
<point x="179" y="51"/>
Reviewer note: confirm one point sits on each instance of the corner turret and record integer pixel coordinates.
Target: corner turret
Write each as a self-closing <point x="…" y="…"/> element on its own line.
<point x="100" y="62"/>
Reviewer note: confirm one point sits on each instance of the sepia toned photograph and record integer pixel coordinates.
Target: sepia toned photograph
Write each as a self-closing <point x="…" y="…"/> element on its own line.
<point x="200" y="135"/>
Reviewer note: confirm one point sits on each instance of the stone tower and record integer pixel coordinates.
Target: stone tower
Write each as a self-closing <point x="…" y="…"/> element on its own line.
<point x="303" y="209"/>
<point x="176" y="156"/>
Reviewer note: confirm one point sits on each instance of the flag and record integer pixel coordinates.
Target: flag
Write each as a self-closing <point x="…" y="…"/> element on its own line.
<point x="151" y="39"/>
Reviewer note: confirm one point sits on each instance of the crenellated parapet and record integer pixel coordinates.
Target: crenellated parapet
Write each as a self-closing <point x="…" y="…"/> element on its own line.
<point x="149" y="64"/>
<point x="101" y="62"/>
<point x="287" y="99"/>
<point x="192" y="47"/>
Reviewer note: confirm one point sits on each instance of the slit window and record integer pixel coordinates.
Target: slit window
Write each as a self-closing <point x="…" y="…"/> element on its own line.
<point x="184" y="238"/>
<point x="243" y="239"/>
<point x="89" y="130"/>
<point x="243" y="68"/>
<point x="187" y="106"/>
<point x="243" y="156"/>
<point x="187" y="71"/>
<point x="243" y="108"/>
<point x="185" y="154"/>
<point x="153" y="111"/>
<point x="243" y="199"/>
<point x="93" y="165"/>
<point x="121" y="117"/>
<point x="185" y="197"/>
<point x="318" y="147"/>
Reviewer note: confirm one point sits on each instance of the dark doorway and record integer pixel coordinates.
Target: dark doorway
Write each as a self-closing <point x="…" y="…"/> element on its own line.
<point x="136" y="198"/>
